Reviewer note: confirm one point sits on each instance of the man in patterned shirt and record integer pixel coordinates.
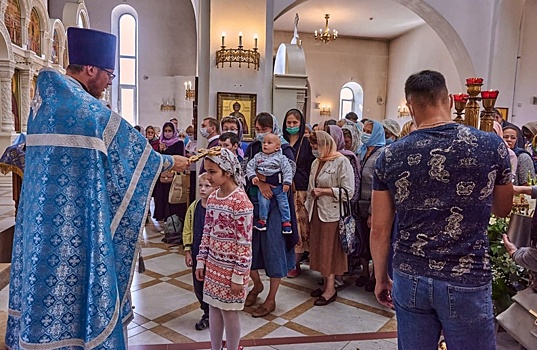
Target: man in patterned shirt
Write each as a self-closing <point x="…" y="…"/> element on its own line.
<point x="443" y="180"/>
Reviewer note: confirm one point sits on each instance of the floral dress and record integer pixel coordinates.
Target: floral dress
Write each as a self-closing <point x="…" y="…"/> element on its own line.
<point x="226" y="249"/>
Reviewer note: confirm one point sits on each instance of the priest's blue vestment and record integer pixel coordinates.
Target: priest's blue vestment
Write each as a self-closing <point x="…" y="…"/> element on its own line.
<point x="85" y="196"/>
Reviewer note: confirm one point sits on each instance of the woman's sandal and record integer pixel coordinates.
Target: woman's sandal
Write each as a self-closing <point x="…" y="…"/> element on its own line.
<point x="251" y="298"/>
<point x="263" y="311"/>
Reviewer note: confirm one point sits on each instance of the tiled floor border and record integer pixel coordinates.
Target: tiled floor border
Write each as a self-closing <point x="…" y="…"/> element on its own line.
<point x="276" y="341"/>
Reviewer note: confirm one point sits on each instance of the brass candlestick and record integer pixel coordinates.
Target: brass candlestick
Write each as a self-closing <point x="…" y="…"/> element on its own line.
<point x="460" y="105"/>
<point x="471" y="114"/>
<point x="489" y="100"/>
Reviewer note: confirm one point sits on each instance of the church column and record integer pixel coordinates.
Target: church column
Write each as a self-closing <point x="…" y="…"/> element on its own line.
<point x="6" y="114"/>
<point x="26" y="77"/>
<point x="204" y="64"/>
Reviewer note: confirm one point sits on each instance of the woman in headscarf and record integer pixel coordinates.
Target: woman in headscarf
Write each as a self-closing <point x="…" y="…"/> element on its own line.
<point x="373" y="142"/>
<point x="329" y="172"/>
<point x="352" y="136"/>
<point x="234" y="125"/>
<point x="295" y="133"/>
<point x="152" y="137"/>
<point x="525" y="168"/>
<point x="169" y="144"/>
<point x="271" y="250"/>
<point x="512" y="156"/>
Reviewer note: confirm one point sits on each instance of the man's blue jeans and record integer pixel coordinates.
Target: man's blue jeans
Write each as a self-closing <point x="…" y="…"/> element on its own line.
<point x="283" y="204"/>
<point x="426" y="306"/>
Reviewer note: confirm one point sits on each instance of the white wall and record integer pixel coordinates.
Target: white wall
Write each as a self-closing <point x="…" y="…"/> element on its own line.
<point x="167" y="49"/>
<point x="526" y="81"/>
<point x="248" y="17"/>
<point x="412" y="52"/>
<point x="329" y="66"/>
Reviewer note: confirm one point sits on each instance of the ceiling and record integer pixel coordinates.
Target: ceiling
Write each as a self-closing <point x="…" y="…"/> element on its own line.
<point x="377" y="19"/>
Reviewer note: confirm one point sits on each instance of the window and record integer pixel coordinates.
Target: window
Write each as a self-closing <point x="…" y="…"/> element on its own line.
<point x="351" y="99"/>
<point x="12" y="19"/>
<point x="125" y="90"/>
<point x="34" y="33"/>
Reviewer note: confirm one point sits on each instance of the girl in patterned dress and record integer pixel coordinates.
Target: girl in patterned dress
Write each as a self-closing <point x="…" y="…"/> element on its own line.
<point x="225" y="253"/>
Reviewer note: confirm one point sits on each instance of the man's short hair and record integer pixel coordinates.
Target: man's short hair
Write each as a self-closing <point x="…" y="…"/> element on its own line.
<point x="75" y="68"/>
<point x="213" y="122"/>
<point x="426" y="88"/>
<point x="352" y="116"/>
<point x="231" y="136"/>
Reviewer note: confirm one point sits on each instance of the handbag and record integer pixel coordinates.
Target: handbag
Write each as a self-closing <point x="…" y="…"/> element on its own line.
<point x="166" y="177"/>
<point x="520" y="319"/>
<point x="347" y="224"/>
<point x="519" y="230"/>
<point x="176" y="189"/>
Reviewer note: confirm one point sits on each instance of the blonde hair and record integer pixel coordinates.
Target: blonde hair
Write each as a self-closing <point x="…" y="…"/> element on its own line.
<point x="202" y="176"/>
<point x="406" y="129"/>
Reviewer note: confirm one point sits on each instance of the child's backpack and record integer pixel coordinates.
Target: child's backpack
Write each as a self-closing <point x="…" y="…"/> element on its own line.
<point x="173" y="230"/>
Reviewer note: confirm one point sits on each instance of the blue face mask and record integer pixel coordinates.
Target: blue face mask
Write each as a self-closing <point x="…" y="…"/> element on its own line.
<point x="316" y="153"/>
<point x="260" y="136"/>
<point x="389" y="141"/>
<point x="365" y="138"/>
<point x="293" y="130"/>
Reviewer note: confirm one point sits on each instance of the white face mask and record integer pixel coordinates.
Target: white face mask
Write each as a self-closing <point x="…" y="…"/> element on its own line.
<point x="316" y="153"/>
<point x="260" y="136"/>
<point x="204" y="132"/>
<point x="236" y="132"/>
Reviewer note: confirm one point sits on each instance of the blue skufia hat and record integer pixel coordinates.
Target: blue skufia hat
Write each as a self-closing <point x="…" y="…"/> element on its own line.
<point x="88" y="47"/>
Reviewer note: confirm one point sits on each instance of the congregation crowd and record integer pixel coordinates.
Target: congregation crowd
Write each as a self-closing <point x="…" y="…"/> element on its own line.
<point x="421" y="198"/>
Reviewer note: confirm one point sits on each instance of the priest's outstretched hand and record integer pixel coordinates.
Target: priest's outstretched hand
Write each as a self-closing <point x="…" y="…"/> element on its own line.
<point x="181" y="163"/>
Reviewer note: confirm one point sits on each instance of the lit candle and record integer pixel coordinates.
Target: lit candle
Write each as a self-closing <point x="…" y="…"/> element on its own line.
<point x="189" y="85"/>
<point x="223" y="38"/>
<point x="255" y="41"/>
<point x="398" y="108"/>
<point x="315" y="33"/>
<point x="240" y="38"/>
<point x="186" y="84"/>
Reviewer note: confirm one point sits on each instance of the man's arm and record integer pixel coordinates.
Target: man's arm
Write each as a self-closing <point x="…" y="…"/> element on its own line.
<point x="381" y="227"/>
<point x="502" y="200"/>
<point x="180" y="163"/>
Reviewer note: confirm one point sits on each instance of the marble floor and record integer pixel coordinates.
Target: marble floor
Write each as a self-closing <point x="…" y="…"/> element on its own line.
<point x="166" y="309"/>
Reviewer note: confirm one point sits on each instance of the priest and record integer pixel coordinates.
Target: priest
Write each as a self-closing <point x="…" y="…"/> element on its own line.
<point x="85" y="195"/>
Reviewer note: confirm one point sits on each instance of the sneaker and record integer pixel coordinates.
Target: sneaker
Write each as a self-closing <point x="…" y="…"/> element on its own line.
<point x="203" y="323"/>
<point x="286" y="228"/>
<point x="261" y="225"/>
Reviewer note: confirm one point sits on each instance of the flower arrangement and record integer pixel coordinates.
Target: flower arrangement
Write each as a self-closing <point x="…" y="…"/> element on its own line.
<point x="507" y="276"/>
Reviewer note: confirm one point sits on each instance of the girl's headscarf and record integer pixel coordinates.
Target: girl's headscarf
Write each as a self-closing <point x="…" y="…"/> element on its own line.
<point x="377" y="139"/>
<point x="498" y="129"/>
<point x="231" y="118"/>
<point x="356" y="135"/>
<point x="339" y="139"/>
<point x="229" y="163"/>
<point x="531" y="127"/>
<point x="276" y="130"/>
<point x="327" y="146"/>
<point x="171" y="141"/>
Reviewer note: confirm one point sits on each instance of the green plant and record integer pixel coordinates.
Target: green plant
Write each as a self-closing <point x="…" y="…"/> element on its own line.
<point x="507" y="277"/>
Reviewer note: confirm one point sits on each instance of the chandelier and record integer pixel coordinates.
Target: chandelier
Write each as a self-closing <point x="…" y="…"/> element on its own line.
<point x="325" y="36"/>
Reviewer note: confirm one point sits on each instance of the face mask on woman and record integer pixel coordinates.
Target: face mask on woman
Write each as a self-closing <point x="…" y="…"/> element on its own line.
<point x="389" y="141"/>
<point x="293" y="130"/>
<point x="260" y="136"/>
<point x="316" y="153"/>
<point x="365" y="138"/>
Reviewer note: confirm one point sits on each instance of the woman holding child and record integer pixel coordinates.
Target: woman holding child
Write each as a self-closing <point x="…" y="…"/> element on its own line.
<point x="271" y="249"/>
